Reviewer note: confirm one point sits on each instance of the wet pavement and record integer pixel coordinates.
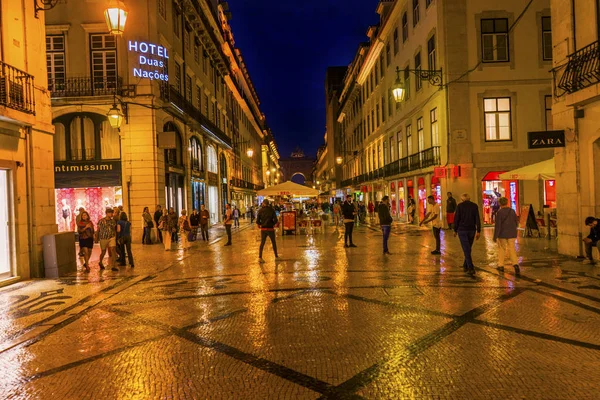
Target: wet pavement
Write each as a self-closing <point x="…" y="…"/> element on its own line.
<point x="321" y="322"/>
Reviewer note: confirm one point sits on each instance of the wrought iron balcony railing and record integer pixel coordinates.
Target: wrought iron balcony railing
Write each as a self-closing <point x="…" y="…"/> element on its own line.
<point x="414" y="161"/>
<point x="430" y="156"/>
<point x="582" y="70"/>
<point x="85" y="86"/>
<point x="403" y="164"/>
<point x="16" y="89"/>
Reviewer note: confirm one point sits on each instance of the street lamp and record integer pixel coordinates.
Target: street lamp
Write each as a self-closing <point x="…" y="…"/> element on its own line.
<point x="115" y="116"/>
<point x="398" y="90"/>
<point x="250" y="153"/>
<point x="339" y="160"/>
<point x="268" y="172"/>
<point x="116" y="16"/>
<point x="434" y="76"/>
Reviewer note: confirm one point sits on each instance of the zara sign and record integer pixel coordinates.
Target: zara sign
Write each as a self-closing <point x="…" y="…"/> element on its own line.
<point x="153" y="60"/>
<point x="545" y="139"/>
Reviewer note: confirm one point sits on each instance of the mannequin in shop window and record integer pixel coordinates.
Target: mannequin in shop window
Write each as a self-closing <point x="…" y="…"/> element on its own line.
<point x="66" y="215"/>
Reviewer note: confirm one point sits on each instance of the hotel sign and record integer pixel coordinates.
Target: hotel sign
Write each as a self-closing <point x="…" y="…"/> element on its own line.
<point x="152" y="59"/>
<point x="82" y="174"/>
<point x="545" y="139"/>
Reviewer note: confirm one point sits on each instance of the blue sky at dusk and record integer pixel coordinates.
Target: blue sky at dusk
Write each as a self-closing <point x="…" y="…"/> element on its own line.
<point x="287" y="46"/>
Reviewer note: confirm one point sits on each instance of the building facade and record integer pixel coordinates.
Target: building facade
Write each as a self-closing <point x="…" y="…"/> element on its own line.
<point x="576" y="111"/>
<point x="26" y="168"/>
<point x="476" y="78"/>
<point x="193" y="132"/>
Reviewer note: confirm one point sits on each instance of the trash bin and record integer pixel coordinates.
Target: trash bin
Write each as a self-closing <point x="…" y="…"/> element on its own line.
<point x="59" y="254"/>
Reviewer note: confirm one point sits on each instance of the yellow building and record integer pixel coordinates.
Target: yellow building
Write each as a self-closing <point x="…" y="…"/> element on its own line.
<point x="192" y="133"/>
<point x="576" y="111"/>
<point x="476" y="79"/>
<point x="26" y="167"/>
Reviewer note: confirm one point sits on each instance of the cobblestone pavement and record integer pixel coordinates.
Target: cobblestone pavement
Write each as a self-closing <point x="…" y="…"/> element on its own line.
<point x="322" y="322"/>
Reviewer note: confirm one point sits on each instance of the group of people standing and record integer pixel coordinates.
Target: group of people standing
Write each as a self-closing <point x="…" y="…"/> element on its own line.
<point x="184" y="228"/>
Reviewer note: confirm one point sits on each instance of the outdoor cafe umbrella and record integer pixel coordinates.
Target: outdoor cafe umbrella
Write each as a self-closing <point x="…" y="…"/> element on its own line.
<point x="289" y="188"/>
<point x="532" y="172"/>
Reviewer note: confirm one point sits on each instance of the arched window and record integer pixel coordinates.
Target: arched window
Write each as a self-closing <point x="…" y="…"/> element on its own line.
<point x="211" y="159"/>
<point x="83" y="143"/>
<point x="223" y="167"/>
<point x="196" y="154"/>
<point x="109" y="142"/>
<point x="60" y="142"/>
<point x="174" y="156"/>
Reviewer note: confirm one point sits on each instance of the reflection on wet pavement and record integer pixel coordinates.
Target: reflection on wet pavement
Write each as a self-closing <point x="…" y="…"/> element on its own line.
<point x="320" y="322"/>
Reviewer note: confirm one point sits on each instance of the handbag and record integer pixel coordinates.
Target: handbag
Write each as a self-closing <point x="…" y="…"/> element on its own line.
<point x="150" y="224"/>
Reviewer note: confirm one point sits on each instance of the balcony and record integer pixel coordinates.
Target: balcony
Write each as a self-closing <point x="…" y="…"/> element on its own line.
<point x="430" y="157"/>
<point x="171" y="95"/>
<point x="16" y="89"/>
<point x="85" y="86"/>
<point x="242" y="184"/>
<point x="582" y="70"/>
<point x="414" y="161"/>
<point x="403" y="165"/>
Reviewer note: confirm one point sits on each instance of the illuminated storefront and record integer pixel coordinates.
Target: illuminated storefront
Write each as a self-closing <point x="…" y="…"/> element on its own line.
<point x="492" y="189"/>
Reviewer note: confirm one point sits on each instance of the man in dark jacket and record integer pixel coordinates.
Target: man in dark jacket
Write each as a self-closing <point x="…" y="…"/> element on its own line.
<point x="467" y="225"/>
<point x="195" y="223"/>
<point x="450" y="210"/>
<point x="266" y="221"/>
<point x="385" y="221"/>
<point x="349" y="212"/>
<point x="592" y="240"/>
<point x="157" y="214"/>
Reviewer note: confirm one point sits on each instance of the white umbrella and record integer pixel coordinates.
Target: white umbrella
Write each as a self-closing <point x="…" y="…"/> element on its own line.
<point x="533" y="172"/>
<point x="289" y="188"/>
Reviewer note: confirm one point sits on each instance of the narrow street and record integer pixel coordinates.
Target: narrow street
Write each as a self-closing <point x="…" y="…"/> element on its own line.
<point x="321" y="322"/>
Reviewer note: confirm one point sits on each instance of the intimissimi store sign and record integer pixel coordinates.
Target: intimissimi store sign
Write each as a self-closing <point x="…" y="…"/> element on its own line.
<point x="82" y="174"/>
<point x="152" y="60"/>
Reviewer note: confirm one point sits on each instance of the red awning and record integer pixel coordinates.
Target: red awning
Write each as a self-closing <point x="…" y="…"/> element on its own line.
<point x="492" y="176"/>
<point x="421" y="182"/>
<point x="435" y="180"/>
<point x="400" y="184"/>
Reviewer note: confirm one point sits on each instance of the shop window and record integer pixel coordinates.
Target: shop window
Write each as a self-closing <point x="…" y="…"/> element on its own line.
<point x="83" y="144"/>
<point x="497" y="119"/>
<point x="60" y="143"/>
<point x="494" y="40"/>
<point x="211" y="159"/>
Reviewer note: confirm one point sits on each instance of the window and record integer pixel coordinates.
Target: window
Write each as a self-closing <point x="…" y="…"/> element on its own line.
<point x="409" y="148"/>
<point x="372" y="120"/>
<point x="388" y="56"/>
<point x="198" y="97"/>
<point x="368" y="124"/>
<point x="377" y="121"/>
<point x="211" y="159"/>
<point x="391" y="149"/>
<point x="547" y="38"/>
<point x="548" y="113"/>
<point x="431" y="52"/>
<point x="400" y="147"/>
<point x="188" y="88"/>
<point x="420" y="134"/>
<point x="418" y="83"/>
<point x="55" y="62"/>
<point x="497" y="119"/>
<point x="177" y="77"/>
<point x="204" y="62"/>
<point x="196" y="154"/>
<point x="162" y="9"/>
<point x="176" y="22"/>
<point x="435" y="129"/>
<point x="415" y="12"/>
<point x="186" y="40"/>
<point x="395" y="41"/>
<point x="104" y="61"/>
<point x="205" y="106"/>
<point x="494" y="40"/>
<point x="404" y="27"/>
<point x="197" y="51"/>
<point x="428" y="3"/>
<point x="382" y="108"/>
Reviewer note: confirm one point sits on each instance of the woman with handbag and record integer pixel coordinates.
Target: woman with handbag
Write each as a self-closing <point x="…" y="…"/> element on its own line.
<point x="165" y="227"/>
<point x="85" y="229"/>
<point x="148" y="225"/>
<point x="124" y="239"/>
<point x="185" y="228"/>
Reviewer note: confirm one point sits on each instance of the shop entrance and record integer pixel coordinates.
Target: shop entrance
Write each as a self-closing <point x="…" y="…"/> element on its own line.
<point x="213" y="204"/>
<point x="5" y="226"/>
<point x="492" y="189"/>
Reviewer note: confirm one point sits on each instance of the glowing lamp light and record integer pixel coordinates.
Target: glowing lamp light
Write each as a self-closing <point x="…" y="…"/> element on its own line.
<point x="339" y="160"/>
<point x="116" y="16"/>
<point x="250" y="153"/>
<point x="115" y="117"/>
<point x="268" y="172"/>
<point x="398" y="90"/>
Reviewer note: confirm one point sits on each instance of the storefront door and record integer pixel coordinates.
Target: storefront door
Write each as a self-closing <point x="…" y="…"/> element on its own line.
<point x="213" y="204"/>
<point x="5" y="228"/>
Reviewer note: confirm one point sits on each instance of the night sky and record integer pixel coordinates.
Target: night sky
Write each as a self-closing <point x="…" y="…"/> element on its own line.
<point x="287" y="46"/>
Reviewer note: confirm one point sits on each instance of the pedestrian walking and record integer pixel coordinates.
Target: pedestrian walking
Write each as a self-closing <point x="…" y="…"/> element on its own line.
<point x="337" y="213"/>
<point x="184" y="229"/>
<point x="148" y="224"/>
<point x="349" y="213"/>
<point x="410" y="210"/>
<point x="195" y="223"/>
<point x="157" y="215"/>
<point x="252" y="214"/>
<point x="124" y="239"/>
<point x="173" y="225"/>
<point x="266" y="221"/>
<point x="450" y="210"/>
<point x="77" y="219"/>
<point x="592" y="240"/>
<point x="85" y="229"/>
<point x="236" y="217"/>
<point x="227" y="222"/>
<point x="371" y="208"/>
<point x="467" y="226"/>
<point x="107" y="236"/>
<point x="433" y="215"/>
<point x="165" y="227"/>
<point x="505" y="235"/>
<point x="204" y="220"/>
<point x="385" y="221"/>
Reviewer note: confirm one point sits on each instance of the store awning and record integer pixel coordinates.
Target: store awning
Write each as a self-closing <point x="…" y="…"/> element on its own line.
<point x="532" y="172"/>
<point x="492" y="176"/>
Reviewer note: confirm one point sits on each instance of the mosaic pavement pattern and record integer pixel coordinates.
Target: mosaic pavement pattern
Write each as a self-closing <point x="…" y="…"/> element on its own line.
<point x="322" y="322"/>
